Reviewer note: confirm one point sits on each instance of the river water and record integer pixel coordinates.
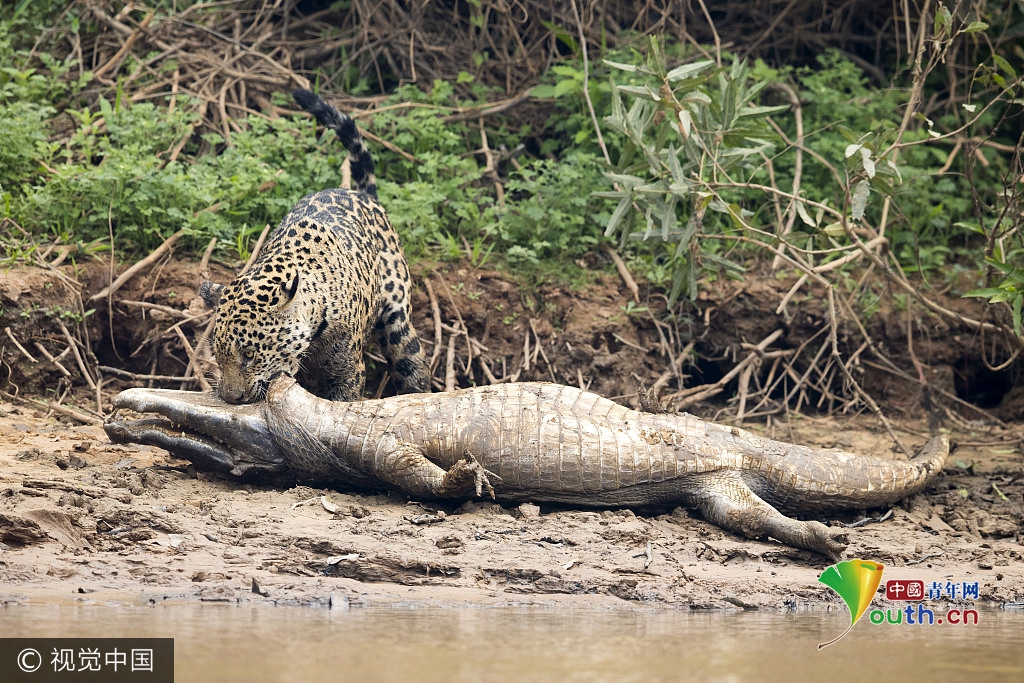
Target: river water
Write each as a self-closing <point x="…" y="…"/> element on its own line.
<point x="216" y="643"/>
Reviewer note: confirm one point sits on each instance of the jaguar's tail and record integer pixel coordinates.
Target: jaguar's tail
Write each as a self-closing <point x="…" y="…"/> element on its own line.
<point x="363" y="179"/>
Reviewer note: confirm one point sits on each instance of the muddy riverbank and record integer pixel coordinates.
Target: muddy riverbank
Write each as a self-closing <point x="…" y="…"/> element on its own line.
<point x="79" y="515"/>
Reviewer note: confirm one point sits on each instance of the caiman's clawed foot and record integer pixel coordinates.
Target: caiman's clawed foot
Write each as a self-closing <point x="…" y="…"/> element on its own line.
<point x="648" y="400"/>
<point x="826" y="540"/>
<point x="727" y="501"/>
<point x="466" y="473"/>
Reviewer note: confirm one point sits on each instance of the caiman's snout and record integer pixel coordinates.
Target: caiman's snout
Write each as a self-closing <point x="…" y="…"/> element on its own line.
<point x="198" y="427"/>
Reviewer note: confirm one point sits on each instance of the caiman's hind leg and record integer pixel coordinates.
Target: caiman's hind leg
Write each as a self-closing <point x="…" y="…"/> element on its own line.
<point x="726" y="500"/>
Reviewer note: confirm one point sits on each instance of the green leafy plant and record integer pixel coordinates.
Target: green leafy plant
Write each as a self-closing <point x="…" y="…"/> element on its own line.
<point x="688" y="128"/>
<point x="1009" y="291"/>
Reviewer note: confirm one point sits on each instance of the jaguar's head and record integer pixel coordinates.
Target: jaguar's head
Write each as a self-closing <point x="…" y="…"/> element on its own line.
<point x="260" y="330"/>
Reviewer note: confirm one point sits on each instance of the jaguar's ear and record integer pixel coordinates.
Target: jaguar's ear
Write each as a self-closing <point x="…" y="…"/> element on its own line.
<point x="210" y="293"/>
<point x="289" y="289"/>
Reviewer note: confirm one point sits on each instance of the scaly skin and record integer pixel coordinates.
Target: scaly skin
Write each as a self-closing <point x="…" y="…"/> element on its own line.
<point x="535" y="442"/>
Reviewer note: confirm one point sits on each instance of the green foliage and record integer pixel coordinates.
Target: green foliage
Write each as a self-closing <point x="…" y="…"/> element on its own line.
<point x="548" y="215"/>
<point x="693" y="149"/>
<point x="24" y="142"/>
<point x="1010" y="291"/>
<point x="115" y="173"/>
<point x="688" y="128"/>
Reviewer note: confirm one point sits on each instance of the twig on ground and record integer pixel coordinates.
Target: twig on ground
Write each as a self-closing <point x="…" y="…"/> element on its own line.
<point x="78" y="356"/>
<point x="833" y="339"/>
<point x="383" y="382"/>
<point x="624" y="273"/>
<point x="55" y="361"/>
<point x="201" y="346"/>
<point x="869" y="520"/>
<point x="485" y="367"/>
<point x="141" y="265"/>
<point x="477" y="346"/>
<point x="540" y="347"/>
<point x="449" y="366"/>
<point x="176" y="312"/>
<point x="705" y="391"/>
<point x="192" y="365"/>
<point x="629" y="343"/>
<point x="526" y="352"/>
<point x="124" y="374"/>
<point x="436" y="310"/>
<point x="462" y="327"/>
<point x="63" y="410"/>
<point x="204" y="264"/>
<point x="18" y="344"/>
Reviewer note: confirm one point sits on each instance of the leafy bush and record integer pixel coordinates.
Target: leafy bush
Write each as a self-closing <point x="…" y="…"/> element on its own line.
<point x="114" y="168"/>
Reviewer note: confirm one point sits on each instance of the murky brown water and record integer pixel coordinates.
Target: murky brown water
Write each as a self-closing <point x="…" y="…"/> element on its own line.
<point x="227" y="643"/>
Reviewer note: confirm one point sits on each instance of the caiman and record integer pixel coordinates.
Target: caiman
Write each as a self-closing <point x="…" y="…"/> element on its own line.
<point x="535" y="442"/>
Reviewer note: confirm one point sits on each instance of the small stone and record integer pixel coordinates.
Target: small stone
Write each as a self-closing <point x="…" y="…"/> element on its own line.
<point x="529" y="511"/>
<point x="449" y="542"/>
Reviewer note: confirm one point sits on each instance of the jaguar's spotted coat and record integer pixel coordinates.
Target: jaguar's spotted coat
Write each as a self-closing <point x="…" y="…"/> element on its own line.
<point x="330" y="277"/>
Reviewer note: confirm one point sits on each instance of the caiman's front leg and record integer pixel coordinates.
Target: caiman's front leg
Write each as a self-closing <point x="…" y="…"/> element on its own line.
<point x="404" y="466"/>
<point x="726" y="500"/>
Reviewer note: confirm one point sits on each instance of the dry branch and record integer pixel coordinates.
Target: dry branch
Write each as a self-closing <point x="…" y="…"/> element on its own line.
<point x="21" y="348"/>
<point x="436" y="310"/>
<point x="127" y="275"/>
<point x="624" y="273"/>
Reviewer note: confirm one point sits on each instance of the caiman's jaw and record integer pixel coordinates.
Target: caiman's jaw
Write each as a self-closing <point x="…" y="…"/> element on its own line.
<point x="202" y="428"/>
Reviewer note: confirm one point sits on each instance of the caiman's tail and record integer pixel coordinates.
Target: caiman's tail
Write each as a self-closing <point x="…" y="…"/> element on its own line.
<point x="363" y="178"/>
<point x="831" y="480"/>
<point x="928" y="462"/>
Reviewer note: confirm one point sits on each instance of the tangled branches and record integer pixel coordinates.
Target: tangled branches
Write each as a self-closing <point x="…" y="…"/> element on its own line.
<point x="232" y="56"/>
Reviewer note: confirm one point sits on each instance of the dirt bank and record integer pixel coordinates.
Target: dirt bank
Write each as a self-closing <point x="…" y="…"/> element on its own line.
<point x="80" y="514"/>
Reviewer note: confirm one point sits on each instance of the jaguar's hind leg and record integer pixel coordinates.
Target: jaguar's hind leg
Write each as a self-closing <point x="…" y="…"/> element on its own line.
<point x="398" y="340"/>
<point x="395" y="334"/>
